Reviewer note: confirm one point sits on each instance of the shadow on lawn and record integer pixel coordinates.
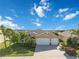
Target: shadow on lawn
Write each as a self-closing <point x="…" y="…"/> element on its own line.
<point x="16" y="49"/>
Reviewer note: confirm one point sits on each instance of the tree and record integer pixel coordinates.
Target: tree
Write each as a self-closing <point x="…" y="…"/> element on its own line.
<point x="23" y="34"/>
<point x="4" y="33"/>
<point x="15" y="38"/>
<point x="30" y="41"/>
<point x="27" y="39"/>
<point x="72" y="42"/>
<point x="9" y="33"/>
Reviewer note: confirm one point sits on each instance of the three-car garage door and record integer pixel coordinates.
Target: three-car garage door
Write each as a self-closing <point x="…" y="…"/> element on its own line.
<point x="46" y="41"/>
<point x="42" y="41"/>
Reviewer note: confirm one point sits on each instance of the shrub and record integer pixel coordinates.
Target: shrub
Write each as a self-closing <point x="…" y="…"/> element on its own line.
<point x="30" y="42"/>
<point x="69" y="42"/>
<point x="70" y="51"/>
<point x="23" y="34"/>
<point x="72" y="42"/>
<point x="27" y="40"/>
<point x="63" y="45"/>
<point x="60" y="40"/>
<point x="15" y="37"/>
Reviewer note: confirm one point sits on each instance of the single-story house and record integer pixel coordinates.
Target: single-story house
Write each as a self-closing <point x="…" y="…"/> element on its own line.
<point x="44" y="37"/>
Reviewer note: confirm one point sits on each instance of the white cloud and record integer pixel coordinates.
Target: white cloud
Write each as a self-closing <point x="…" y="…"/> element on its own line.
<point x="37" y="22"/>
<point x="71" y="15"/>
<point x="0" y="17"/>
<point x="60" y="11"/>
<point x="46" y="7"/>
<point x="59" y="15"/>
<point x="8" y="18"/>
<point x="9" y="24"/>
<point x="20" y="27"/>
<point x="63" y="10"/>
<point x="43" y="2"/>
<point x="32" y="13"/>
<point x="62" y="27"/>
<point x="41" y="9"/>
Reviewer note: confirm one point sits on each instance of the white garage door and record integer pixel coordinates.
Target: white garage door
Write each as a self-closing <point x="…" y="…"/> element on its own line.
<point x="43" y="41"/>
<point x="54" y="41"/>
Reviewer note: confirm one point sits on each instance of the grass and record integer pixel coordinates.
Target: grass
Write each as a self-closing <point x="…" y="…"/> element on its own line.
<point x="2" y="46"/>
<point x="77" y="51"/>
<point x="16" y="50"/>
<point x="0" y="32"/>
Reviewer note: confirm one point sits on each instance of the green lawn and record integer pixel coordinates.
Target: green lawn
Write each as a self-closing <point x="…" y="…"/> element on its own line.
<point x="77" y="51"/>
<point x="16" y="50"/>
<point x="0" y="32"/>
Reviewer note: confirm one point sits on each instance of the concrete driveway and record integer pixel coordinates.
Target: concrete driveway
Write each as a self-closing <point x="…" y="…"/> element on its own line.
<point x="50" y="52"/>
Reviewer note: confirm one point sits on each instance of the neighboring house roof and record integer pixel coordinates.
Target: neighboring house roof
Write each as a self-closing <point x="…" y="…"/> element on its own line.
<point x="42" y="34"/>
<point x="66" y="34"/>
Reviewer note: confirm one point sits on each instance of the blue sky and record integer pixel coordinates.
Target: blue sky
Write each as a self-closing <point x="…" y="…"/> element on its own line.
<point x="39" y="14"/>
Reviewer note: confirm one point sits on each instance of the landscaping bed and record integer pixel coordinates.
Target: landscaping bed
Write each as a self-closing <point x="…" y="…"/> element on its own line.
<point x="70" y="47"/>
<point x="18" y="49"/>
<point x="72" y="51"/>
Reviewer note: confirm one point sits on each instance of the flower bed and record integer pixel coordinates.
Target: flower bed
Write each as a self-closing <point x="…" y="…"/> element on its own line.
<point x="71" y="51"/>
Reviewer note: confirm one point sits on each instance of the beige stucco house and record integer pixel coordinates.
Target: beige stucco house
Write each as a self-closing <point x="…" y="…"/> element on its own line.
<point x="44" y="37"/>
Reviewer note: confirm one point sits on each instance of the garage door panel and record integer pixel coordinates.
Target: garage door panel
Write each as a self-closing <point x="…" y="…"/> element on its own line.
<point x="42" y="41"/>
<point x="54" y="41"/>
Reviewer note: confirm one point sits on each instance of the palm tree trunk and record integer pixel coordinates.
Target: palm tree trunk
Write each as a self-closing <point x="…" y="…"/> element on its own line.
<point x="5" y="41"/>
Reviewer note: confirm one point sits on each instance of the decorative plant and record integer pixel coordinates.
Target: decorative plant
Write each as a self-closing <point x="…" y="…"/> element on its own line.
<point x="71" y="51"/>
<point x="72" y="42"/>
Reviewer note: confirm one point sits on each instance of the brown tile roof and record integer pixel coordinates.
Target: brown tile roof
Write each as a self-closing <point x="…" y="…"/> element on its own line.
<point x="42" y="34"/>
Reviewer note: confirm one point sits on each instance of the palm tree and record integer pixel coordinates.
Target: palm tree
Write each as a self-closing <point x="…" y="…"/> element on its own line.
<point x="4" y="33"/>
<point x="13" y="36"/>
<point x="9" y="33"/>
